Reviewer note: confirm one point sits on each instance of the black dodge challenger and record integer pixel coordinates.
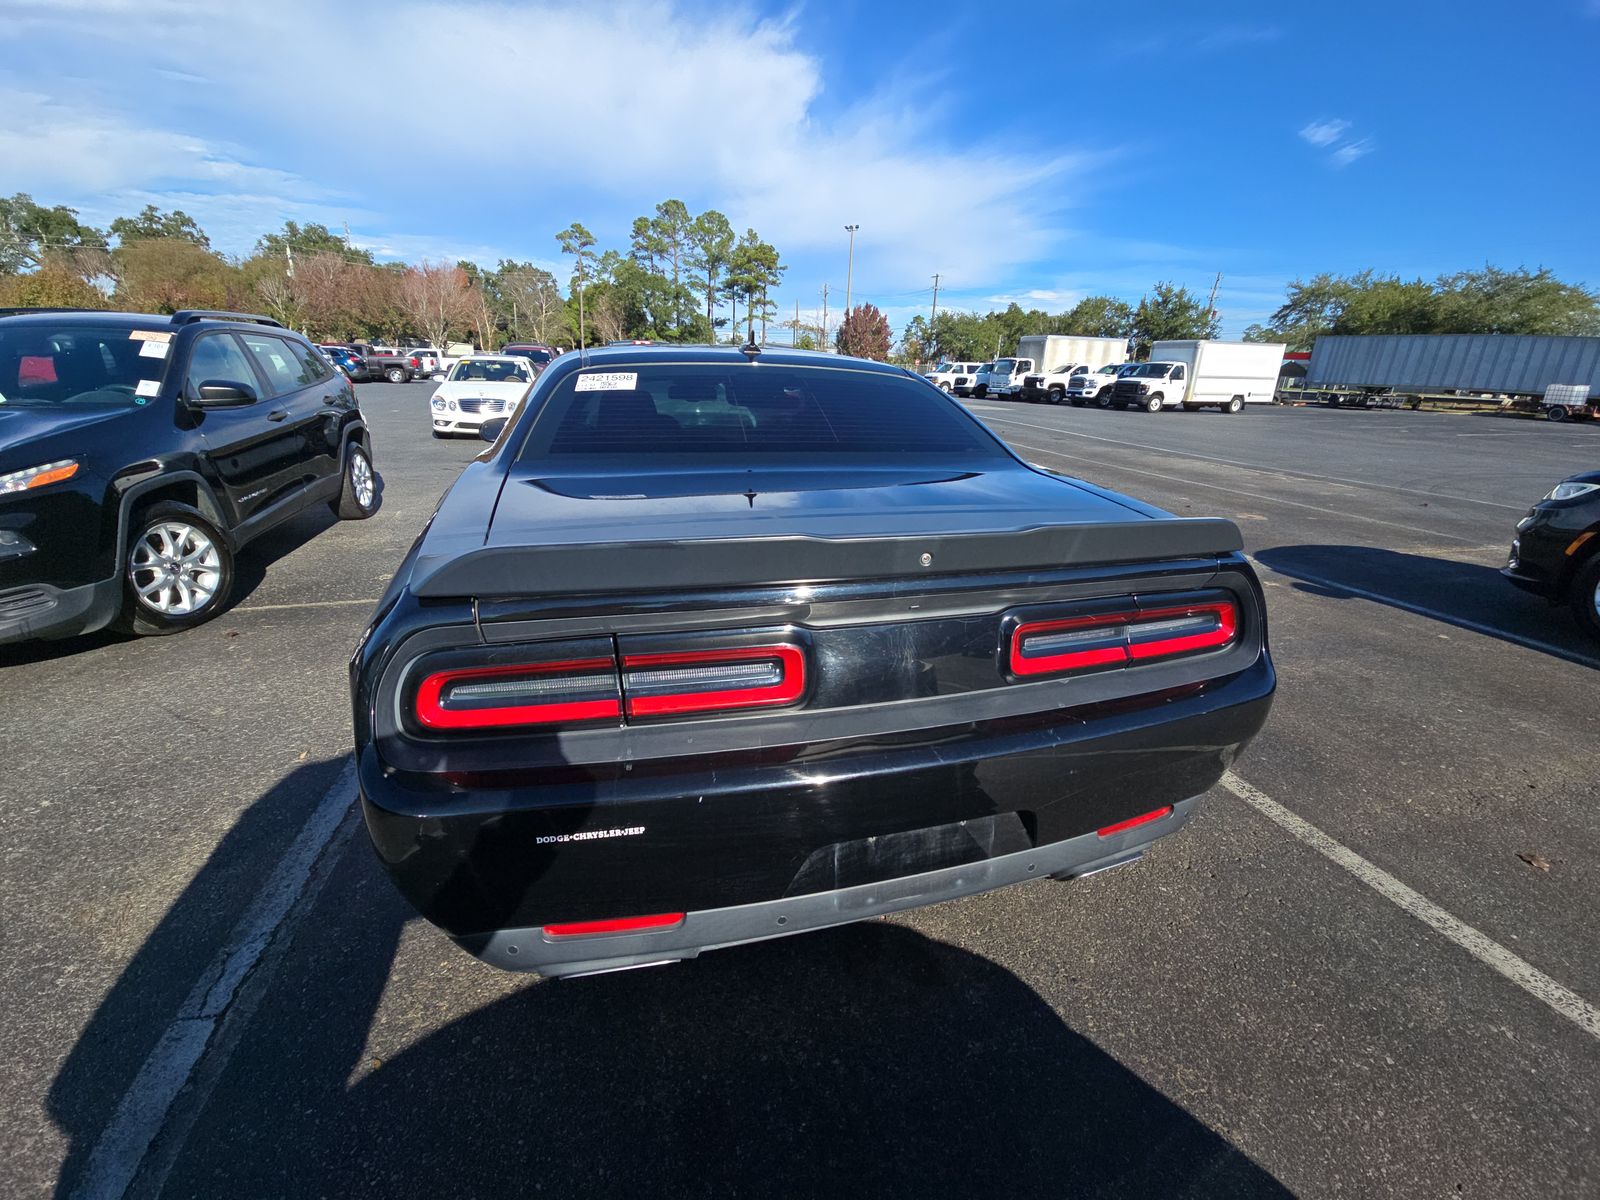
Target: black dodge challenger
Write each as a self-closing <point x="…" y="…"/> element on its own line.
<point x="715" y="645"/>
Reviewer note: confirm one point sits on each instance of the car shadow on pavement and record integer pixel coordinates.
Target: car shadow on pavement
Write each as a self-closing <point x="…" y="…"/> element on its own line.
<point x="865" y="1060"/>
<point x="252" y="563"/>
<point x="1466" y="595"/>
<point x="157" y="979"/>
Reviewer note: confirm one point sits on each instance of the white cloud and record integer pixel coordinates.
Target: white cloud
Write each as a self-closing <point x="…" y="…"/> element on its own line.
<point x="1350" y="151"/>
<point x="556" y="102"/>
<point x="1331" y="136"/>
<point x="1324" y="133"/>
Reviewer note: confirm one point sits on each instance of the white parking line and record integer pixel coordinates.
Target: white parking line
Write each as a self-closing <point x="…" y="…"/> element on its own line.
<point x="1232" y="462"/>
<point x="1422" y="611"/>
<point x="244" y="608"/>
<point x="1482" y="947"/>
<point x="142" y="1112"/>
<point x="1217" y="487"/>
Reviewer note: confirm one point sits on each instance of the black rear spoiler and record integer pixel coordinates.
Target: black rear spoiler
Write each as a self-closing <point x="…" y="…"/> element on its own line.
<point x="587" y="568"/>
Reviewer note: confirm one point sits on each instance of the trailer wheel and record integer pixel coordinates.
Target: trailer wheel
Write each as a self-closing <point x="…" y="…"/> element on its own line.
<point x="1332" y="400"/>
<point x="1555" y="413"/>
<point x="1234" y="405"/>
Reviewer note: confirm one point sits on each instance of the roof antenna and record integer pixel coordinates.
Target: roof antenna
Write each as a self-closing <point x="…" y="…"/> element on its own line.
<point x="751" y="350"/>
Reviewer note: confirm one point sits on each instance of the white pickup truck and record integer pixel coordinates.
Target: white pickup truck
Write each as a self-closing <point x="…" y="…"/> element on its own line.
<point x="1202" y="374"/>
<point x="1096" y="385"/>
<point x="975" y="384"/>
<point x="944" y="376"/>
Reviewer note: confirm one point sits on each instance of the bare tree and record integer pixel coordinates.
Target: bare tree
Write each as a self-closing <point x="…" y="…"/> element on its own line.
<point x="607" y="319"/>
<point x="283" y="300"/>
<point x="435" y="298"/>
<point x="482" y="315"/>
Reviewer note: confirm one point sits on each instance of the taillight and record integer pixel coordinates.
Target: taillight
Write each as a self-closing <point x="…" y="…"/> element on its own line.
<point x="1121" y="637"/>
<point x="691" y="681"/>
<point x="541" y="693"/>
<point x="584" y="680"/>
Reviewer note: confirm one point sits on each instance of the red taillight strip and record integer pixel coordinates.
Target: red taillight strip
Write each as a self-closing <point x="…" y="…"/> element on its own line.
<point x="1134" y="822"/>
<point x="616" y="925"/>
<point x="433" y="714"/>
<point x="1123" y="629"/>
<point x="1227" y="625"/>
<point x="790" y="687"/>
<point x="1071" y="659"/>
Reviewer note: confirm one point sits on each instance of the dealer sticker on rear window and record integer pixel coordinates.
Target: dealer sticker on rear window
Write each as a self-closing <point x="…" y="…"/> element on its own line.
<point x="610" y="381"/>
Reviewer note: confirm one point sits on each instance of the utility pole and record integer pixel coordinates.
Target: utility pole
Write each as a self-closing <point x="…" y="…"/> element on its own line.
<point x="850" y="268"/>
<point x="935" y="316"/>
<point x="288" y="254"/>
<point x="1211" y="302"/>
<point x="824" y="316"/>
<point x="796" y="341"/>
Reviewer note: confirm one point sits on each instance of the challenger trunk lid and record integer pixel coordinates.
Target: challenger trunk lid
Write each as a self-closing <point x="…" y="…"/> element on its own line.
<point x="554" y="534"/>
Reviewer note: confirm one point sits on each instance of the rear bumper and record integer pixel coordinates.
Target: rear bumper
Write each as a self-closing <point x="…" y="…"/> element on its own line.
<point x="530" y="949"/>
<point x="484" y="853"/>
<point x="41" y="610"/>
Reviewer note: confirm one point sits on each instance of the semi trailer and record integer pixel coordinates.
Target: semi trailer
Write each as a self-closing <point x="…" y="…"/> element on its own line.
<point x="1559" y="376"/>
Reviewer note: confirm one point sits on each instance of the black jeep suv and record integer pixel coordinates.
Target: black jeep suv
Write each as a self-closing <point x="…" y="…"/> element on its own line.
<point x="138" y="453"/>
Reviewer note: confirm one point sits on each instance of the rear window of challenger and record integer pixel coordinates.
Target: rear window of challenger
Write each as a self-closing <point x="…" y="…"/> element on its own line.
<point x="681" y="410"/>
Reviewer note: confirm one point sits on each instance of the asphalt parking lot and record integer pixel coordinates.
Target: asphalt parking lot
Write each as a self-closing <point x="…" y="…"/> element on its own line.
<point x="1345" y="978"/>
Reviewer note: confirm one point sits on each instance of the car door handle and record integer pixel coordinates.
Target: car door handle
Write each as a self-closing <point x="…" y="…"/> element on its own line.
<point x="278" y="414"/>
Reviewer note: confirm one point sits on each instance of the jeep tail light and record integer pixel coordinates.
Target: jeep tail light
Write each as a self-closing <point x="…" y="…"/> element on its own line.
<point x="543" y="693"/>
<point x="677" y="682"/>
<point x="1130" y="635"/>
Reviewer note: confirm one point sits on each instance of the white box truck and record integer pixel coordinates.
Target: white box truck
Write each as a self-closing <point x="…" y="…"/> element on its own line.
<point x="1045" y="363"/>
<point x="1199" y="374"/>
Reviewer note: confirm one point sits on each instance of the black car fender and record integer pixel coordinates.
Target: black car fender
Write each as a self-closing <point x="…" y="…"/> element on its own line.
<point x="356" y="430"/>
<point x="177" y="483"/>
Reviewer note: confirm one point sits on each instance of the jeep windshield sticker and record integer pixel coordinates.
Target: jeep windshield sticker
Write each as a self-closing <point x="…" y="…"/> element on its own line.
<point x="147" y="387"/>
<point x="154" y="349"/>
<point x="610" y="381"/>
<point x="150" y="335"/>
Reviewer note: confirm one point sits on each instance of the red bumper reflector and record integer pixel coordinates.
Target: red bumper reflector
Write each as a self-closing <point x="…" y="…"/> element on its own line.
<point x="616" y="925"/>
<point x="1134" y="822"/>
<point x="691" y="681"/>
<point x="1120" y="638"/>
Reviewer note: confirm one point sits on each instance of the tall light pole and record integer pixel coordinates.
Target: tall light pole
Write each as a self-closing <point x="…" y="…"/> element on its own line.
<point x="850" y="268"/>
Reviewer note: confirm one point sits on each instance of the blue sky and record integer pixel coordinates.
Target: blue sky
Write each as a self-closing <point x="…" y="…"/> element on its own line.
<point x="1037" y="152"/>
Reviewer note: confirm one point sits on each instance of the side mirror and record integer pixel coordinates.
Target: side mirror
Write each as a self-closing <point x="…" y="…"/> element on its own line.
<point x="225" y="393"/>
<point x="491" y="429"/>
